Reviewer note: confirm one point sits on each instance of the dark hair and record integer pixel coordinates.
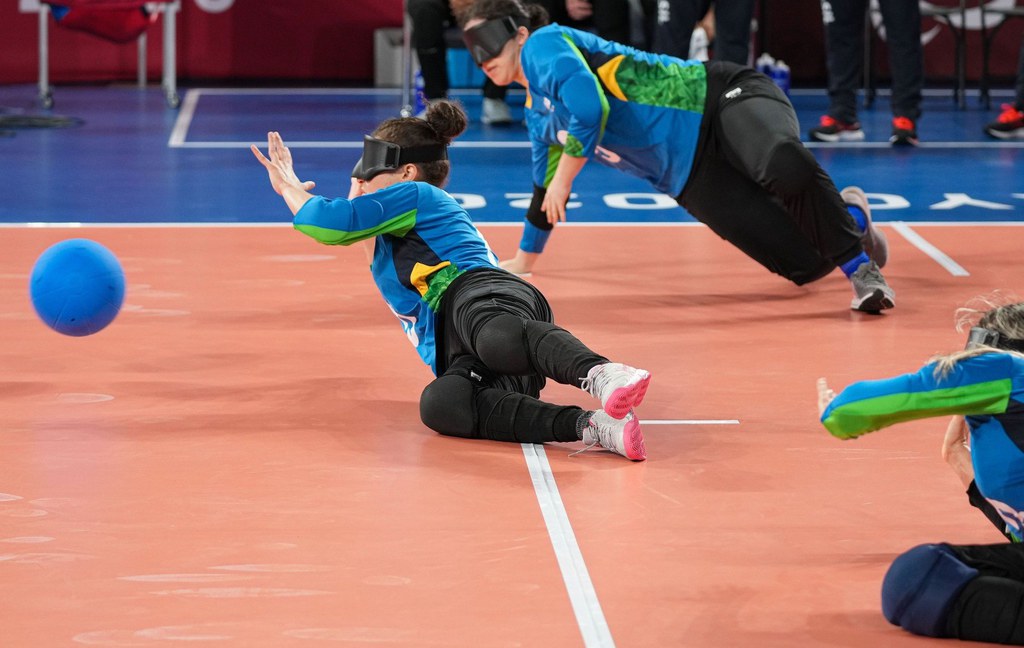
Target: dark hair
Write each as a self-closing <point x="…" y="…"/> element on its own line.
<point x="444" y="121"/>
<point x="492" y="9"/>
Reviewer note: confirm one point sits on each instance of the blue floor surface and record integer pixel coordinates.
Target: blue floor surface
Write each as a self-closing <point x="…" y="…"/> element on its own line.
<point x="135" y="160"/>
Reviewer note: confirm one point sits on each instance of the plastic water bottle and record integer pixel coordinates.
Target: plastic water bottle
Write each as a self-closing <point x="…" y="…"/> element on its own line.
<point x="764" y="64"/>
<point x="419" y="99"/>
<point x="780" y="75"/>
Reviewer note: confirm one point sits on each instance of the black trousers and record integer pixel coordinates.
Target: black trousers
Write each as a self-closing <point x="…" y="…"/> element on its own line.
<point x="675" y="20"/>
<point x="755" y="185"/>
<point x="844" y="40"/>
<point x="496" y="346"/>
<point x="991" y="606"/>
<point x="430" y="19"/>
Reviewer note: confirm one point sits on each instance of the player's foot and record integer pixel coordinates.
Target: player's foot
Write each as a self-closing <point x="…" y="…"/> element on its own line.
<point x="521" y="264"/>
<point x="831" y="129"/>
<point x="620" y="435"/>
<point x="496" y="113"/>
<point x="875" y="243"/>
<point x="871" y="293"/>
<point x="904" y="132"/>
<point x="619" y="387"/>
<point x="1009" y="124"/>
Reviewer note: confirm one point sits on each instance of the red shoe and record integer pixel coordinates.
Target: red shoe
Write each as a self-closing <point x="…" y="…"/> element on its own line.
<point x="1009" y="125"/>
<point x="833" y="130"/>
<point x="904" y="132"/>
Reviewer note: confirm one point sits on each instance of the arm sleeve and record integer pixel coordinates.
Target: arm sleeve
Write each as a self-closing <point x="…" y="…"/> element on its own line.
<point x="566" y="77"/>
<point x="976" y="385"/>
<point x="580" y="92"/>
<point x="342" y="221"/>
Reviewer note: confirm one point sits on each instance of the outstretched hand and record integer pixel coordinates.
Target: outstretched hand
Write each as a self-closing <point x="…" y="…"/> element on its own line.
<point x="825" y="396"/>
<point x="279" y="166"/>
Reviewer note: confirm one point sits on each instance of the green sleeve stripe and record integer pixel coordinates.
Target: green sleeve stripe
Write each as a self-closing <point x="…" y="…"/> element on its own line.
<point x="605" y="108"/>
<point x="860" y="417"/>
<point x="399" y="226"/>
<point x="554" y="155"/>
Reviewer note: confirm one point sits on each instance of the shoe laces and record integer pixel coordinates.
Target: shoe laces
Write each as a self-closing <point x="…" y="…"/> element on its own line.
<point x="869" y="273"/>
<point x="903" y="123"/>
<point x="1010" y="114"/>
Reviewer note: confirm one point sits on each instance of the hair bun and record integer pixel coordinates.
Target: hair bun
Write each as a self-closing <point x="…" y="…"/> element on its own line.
<point x="447" y="118"/>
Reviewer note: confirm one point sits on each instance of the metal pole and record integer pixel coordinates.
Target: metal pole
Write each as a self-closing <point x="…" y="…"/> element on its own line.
<point x="45" y="95"/>
<point x="407" y="108"/>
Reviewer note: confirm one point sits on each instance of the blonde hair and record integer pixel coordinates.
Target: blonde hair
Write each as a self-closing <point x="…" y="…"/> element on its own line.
<point x="997" y="312"/>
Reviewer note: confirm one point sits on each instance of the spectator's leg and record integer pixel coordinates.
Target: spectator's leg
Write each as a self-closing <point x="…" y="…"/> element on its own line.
<point x="902" y="21"/>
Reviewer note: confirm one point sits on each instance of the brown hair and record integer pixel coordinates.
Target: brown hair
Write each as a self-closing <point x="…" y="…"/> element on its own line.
<point x="493" y="9"/>
<point x="444" y="121"/>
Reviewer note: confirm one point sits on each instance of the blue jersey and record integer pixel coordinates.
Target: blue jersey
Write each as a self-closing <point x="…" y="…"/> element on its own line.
<point x="631" y="110"/>
<point x="988" y="389"/>
<point x="424" y="240"/>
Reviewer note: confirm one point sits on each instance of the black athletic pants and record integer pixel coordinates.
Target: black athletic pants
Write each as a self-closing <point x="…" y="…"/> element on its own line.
<point x="991" y="606"/>
<point x="496" y="345"/>
<point x="676" y="19"/>
<point x="844" y="39"/>
<point x="755" y="185"/>
<point x="430" y="19"/>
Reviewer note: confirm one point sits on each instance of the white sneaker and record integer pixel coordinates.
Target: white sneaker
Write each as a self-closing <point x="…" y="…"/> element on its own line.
<point x="871" y="293"/>
<point x="621" y="436"/>
<point x="496" y="112"/>
<point x="619" y="387"/>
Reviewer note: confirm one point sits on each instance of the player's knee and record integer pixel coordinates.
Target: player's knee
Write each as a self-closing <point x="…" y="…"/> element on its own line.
<point x="791" y="168"/>
<point x="921" y="586"/>
<point x="501" y="345"/>
<point x="446" y="406"/>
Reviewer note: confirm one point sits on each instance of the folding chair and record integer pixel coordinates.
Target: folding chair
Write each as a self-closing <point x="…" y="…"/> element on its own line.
<point x="169" y="9"/>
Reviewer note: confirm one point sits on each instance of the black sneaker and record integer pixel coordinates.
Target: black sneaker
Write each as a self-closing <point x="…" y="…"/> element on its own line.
<point x="904" y="132"/>
<point x="870" y="292"/>
<point x="1009" y="125"/>
<point x="831" y="129"/>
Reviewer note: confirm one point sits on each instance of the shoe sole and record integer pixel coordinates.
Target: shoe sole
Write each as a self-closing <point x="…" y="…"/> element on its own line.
<point x="1006" y="135"/>
<point x="839" y="137"/>
<point x="633" y="441"/>
<point x="876" y="302"/>
<point x="628" y="396"/>
<point x="903" y="141"/>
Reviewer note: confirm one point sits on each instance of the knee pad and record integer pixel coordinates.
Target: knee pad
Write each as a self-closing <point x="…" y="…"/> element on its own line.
<point x="534" y="215"/>
<point x="791" y="168"/>
<point x="920" y="587"/>
<point x="501" y="345"/>
<point x="446" y="406"/>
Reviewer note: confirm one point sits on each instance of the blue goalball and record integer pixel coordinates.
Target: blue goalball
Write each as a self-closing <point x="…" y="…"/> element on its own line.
<point x="77" y="287"/>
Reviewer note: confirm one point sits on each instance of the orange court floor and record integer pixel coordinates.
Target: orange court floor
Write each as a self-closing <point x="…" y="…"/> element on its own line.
<point x="238" y="459"/>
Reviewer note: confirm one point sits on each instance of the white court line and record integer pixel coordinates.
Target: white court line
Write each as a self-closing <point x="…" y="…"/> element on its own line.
<point x="689" y="422"/>
<point x="188" y="109"/>
<point x="582" y="595"/>
<point x="184" y="120"/>
<point x="940" y="257"/>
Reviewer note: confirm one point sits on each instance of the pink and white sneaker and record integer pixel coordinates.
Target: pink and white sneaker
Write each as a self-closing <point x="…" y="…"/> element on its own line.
<point x="622" y="436"/>
<point x="619" y="387"/>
